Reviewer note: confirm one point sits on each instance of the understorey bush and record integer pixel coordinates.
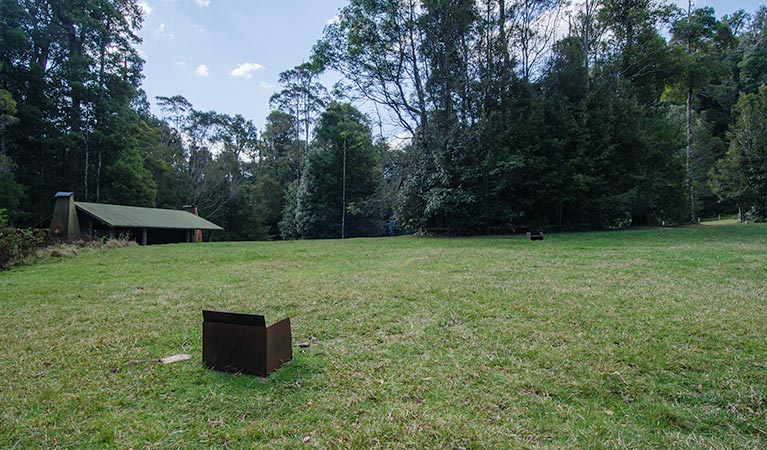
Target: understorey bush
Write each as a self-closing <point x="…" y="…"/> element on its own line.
<point x="17" y="244"/>
<point x="59" y="249"/>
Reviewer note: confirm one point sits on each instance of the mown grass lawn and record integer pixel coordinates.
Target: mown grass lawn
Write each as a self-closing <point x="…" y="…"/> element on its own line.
<point x="637" y="339"/>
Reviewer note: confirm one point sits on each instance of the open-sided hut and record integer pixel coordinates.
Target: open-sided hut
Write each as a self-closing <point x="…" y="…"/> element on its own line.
<point x="73" y="219"/>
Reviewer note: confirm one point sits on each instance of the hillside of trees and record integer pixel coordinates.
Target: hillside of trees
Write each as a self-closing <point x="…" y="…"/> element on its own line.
<point x="517" y="114"/>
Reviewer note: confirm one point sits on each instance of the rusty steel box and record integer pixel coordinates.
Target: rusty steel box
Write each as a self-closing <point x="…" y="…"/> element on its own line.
<point x="235" y="342"/>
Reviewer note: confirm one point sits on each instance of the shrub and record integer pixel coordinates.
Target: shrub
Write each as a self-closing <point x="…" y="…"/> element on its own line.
<point x="16" y="244"/>
<point x="61" y="249"/>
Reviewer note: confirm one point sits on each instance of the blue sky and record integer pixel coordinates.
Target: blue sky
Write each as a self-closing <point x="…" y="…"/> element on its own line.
<point x="226" y="55"/>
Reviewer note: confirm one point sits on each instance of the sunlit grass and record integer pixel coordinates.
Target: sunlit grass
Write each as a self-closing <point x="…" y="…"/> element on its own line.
<point x="636" y="339"/>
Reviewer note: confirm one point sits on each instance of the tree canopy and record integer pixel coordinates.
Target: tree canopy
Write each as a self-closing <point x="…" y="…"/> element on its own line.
<point x="513" y="114"/>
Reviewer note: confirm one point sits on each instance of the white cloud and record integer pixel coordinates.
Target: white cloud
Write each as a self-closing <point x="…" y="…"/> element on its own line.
<point x="333" y="20"/>
<point x="160" y="31"/>
<point x="201" y="71"/>
<point x="245" y="70"/>
<point x="203" y="3"/>
<point x="265" y="85"/>
<point x="145" y="8"/>
<point x="180" y="64"/>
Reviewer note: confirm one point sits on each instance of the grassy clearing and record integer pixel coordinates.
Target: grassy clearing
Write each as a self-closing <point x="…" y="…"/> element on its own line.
<point x="637" y="339"/>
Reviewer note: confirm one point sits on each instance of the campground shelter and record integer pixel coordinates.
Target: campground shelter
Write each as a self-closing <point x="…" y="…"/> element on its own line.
<point x="73" y="219"/>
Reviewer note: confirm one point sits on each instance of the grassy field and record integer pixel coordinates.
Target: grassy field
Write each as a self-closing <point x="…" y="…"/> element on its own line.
<point x="638" y="339"/>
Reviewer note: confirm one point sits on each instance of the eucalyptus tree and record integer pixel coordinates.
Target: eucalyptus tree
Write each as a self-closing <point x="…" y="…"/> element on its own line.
<point x="701" y="40"/>
<point x="533" y="26"/>
<point x="376" y="45"/>
<point x="176" y="110"/>
<point x="101" y="70"/>
<point x="74" y="71"/>
<point x="303" y="97"/>
<point x="239" y="136"/>
<point x="118" y="73"/>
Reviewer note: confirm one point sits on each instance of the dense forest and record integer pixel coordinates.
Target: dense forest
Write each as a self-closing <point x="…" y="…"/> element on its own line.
<point x="511" y="114"/>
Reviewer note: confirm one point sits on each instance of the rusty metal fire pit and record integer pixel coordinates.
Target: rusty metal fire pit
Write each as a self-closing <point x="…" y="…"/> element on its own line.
<point x="235" y="342"/>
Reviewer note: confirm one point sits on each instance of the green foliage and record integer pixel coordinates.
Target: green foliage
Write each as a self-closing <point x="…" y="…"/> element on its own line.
<point x="278" y="167"/>
<point x="742" y="175"/>
<point x="302" y="97"/>
<point x="11" y="192"/>
<point x="508" y="127"/>
<point x="492" y="152"/>
<point x="164" y="159"/>
<point x="727" y="181"/>
<point x="7" y="115"/>
<point x="708" y="40"/>
<point x="709" y="148"/>
<point x="288" y="225"/>
<point x="17" y="245"/>
<point x="132" y="183"/>
<point x="752" y="67"/>
<point x="343" y="148"/>
<point x="73" y="70"/>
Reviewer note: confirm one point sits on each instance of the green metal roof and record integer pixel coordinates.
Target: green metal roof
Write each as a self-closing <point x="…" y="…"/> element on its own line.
<point x="119" y="216"/>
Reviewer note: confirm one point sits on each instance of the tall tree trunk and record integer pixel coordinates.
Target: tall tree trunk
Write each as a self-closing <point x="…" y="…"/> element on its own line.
<point x="98" y="177"/>
<point x="524" y="40"/>
<point x="586" y="30"/>
<point x="689" y="117"/>
<point x="75" y="120"/>
<point x="689" y="155"/>
<point x="488" y="60"/>
<point x="417" y="72"/>
<point x="100" y="106"/>
<point x="74" y="77"/>
<point x="307" y="119"/>
<point x="505" y="70"/>
<point x="343" y="197"/>
<point x="502" y="34"/>
<point x="465" y="77"/>
<point x="85" y="167"/>
<point x="299" y="154"/>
